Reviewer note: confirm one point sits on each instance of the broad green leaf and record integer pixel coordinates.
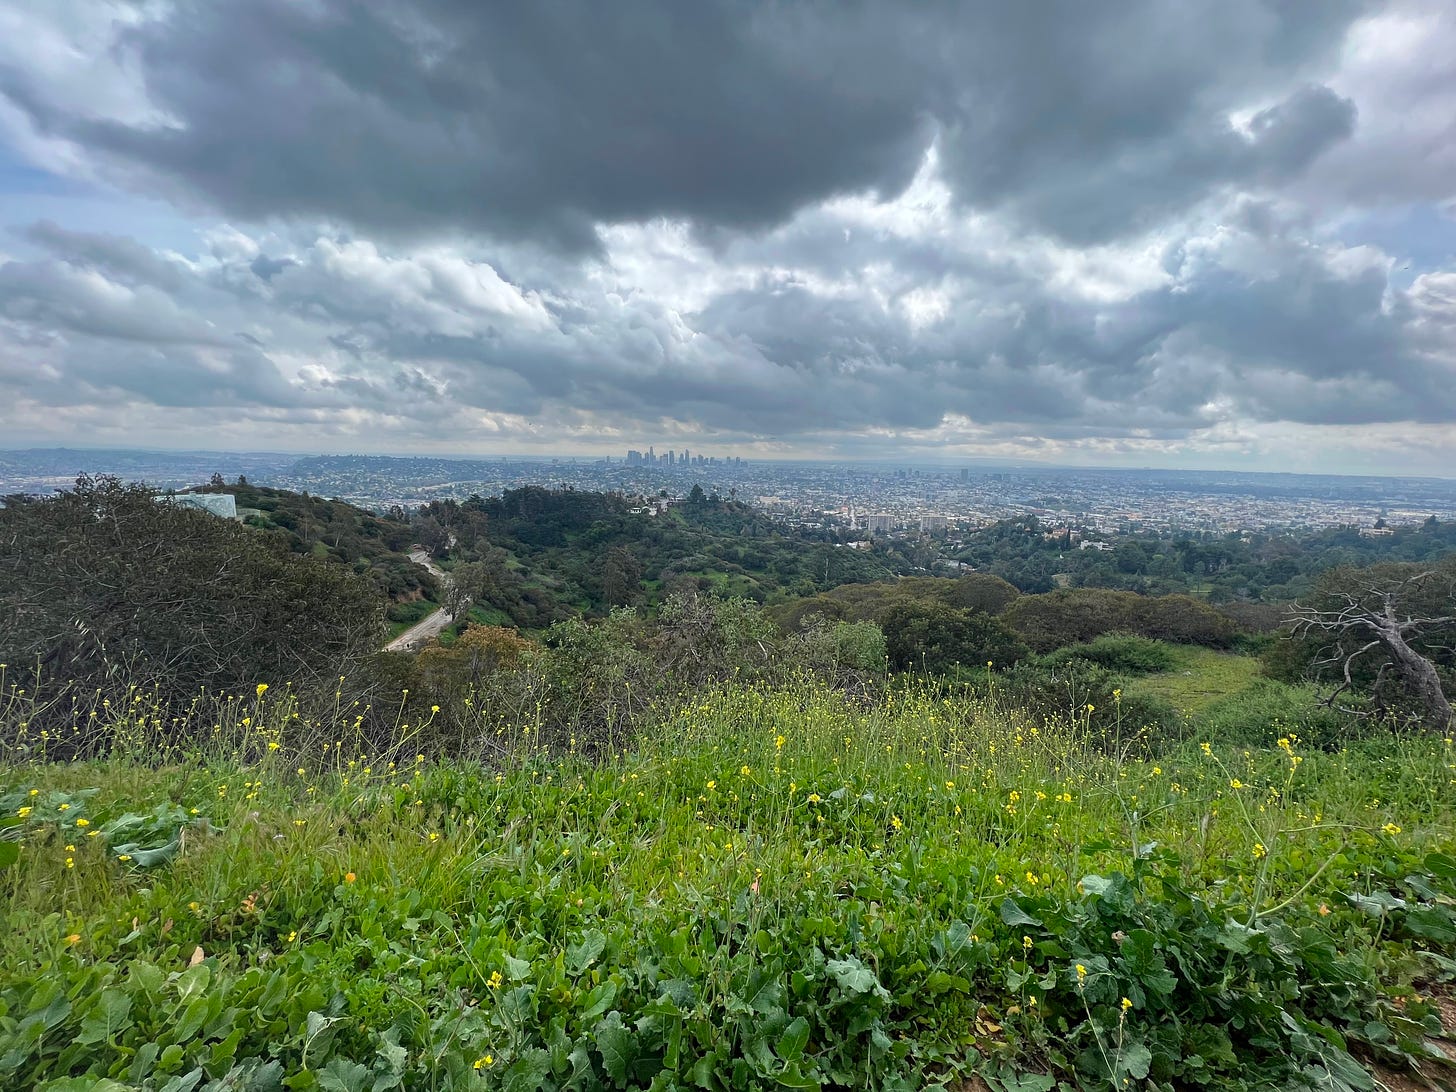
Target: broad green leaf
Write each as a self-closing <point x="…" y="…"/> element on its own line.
<point x="1008" y="1080"/>
<point x="193" y="981"/>
<point x="1134" y="1060"/>
<point x="1376" y="903"/>
<point x="528" y="1072"/>
<point x="139" y="856"/>
<point x="581" y="956"/>
<point x="616" y="1045"/>
<point x="389" y="1050"/>
<point x="853" y="976"/>
<point x="599" y="1000"/>
<point x="342" y="1075"/>
<point x="1013" y="914"/>
<point x="110" y="1014"/>
<point x="794" y="1076"/>
<point x="186" y="1082"/>
<point x="795" y="1038"/>
<point x="517" y="970"/>
<point x="1442" y="865"/>
<point x="938" y="982"/>
<point x="1433" y="923"/>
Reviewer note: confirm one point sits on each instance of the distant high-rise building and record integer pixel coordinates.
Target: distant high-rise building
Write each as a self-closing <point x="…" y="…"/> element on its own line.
<point x="965" y="474"/>
<point x="933" y="523"/>
<point x="880" y="522"/>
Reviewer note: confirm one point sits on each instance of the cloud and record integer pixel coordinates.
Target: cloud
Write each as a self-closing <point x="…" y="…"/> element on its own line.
<point x="1045" y="228"/>
<point x="1249" y="319"/>
<point x="543" y="121"/>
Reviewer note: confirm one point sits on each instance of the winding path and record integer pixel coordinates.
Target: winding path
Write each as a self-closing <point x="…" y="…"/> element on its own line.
<point x="430" y="626"/>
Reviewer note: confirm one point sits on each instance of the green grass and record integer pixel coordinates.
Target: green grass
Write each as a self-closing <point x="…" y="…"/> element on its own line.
<point x="1202" y="676"/>
<point x="402" y="616"/>
<point x="481" y="615"/>
<point x="787" y="889"/>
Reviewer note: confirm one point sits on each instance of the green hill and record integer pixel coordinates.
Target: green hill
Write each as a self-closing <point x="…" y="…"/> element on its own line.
<point x="548" y="554"/>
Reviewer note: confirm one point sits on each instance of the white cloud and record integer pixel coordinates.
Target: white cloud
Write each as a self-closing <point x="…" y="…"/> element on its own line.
<point x="1161" y="266"/>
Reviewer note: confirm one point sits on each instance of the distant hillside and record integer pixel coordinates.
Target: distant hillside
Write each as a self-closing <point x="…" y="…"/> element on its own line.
<point x="376" y="546"/>
<point x="1219" y="567"/>
<point x="543" y="555"/>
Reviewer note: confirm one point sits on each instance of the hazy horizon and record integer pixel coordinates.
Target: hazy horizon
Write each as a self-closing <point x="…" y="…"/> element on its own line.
<point x="920" y="460"/>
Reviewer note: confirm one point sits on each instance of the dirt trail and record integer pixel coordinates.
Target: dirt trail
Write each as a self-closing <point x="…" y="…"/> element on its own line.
<point x="430" y="626"/>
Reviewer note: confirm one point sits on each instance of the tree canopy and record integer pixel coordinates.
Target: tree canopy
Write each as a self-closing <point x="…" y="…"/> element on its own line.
<point x="102" y="585"/>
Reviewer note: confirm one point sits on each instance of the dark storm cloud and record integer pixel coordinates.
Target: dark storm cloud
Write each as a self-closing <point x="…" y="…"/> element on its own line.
<point x="824" y="225"/>
<point x="541" y="121"/>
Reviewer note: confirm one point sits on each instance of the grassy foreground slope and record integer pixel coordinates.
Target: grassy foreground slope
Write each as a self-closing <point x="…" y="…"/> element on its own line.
<point x="784" y="889"/>
<point x="1199" y="677"/>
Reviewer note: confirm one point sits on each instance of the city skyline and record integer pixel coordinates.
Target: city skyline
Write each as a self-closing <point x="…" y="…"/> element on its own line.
<point x="867" y="497"/>
<point x="922" y="459"/>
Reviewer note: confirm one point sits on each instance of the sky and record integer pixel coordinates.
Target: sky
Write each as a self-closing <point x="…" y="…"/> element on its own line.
<point x="1207" y="234"/>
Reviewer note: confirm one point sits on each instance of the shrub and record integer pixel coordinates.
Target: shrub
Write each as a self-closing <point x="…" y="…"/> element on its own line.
<point x="1269" y="710"/>
<point x="1082" y="691"/>
<point x="1059" y="618"/>
<point x="928" y="635"/>
<point x="1119" y="652"/>
<point x="105" y="588"/>
<point x="849" y="655"/>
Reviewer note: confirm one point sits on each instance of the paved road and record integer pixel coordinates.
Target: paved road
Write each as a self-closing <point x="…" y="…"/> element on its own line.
<point x="428" y="628"/>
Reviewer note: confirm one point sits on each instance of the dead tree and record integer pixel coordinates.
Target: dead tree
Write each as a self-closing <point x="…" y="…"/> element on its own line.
<point x="1373" y="614"/>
